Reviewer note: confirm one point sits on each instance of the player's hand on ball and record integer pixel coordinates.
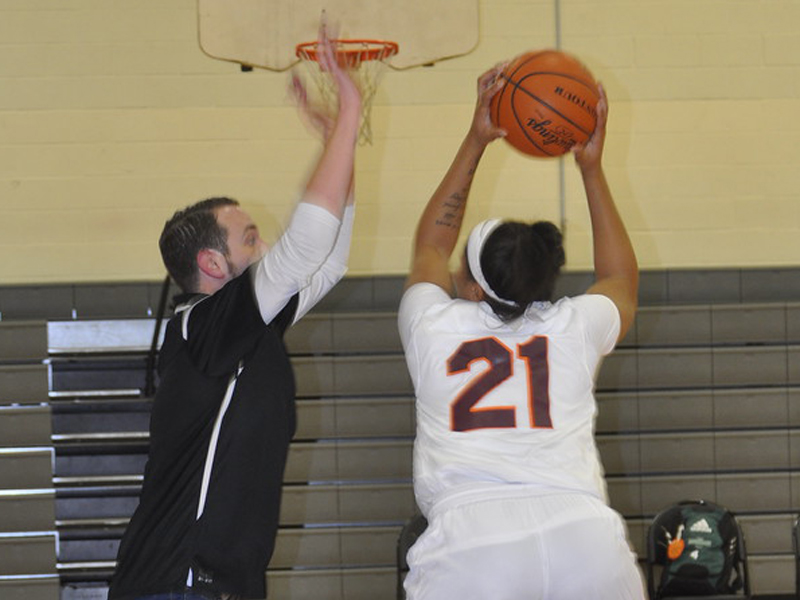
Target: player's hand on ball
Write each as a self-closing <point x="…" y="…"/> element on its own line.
<point x="589" y="155"/>
<point x="488" y="85"/>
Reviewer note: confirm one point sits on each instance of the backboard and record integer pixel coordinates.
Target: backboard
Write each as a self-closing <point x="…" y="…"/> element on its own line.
<point x="264" y="33"/>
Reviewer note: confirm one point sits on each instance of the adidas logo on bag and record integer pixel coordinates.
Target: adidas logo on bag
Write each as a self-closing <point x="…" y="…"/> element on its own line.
<point x="701" y="526"/>
<point x="707" y="560"/>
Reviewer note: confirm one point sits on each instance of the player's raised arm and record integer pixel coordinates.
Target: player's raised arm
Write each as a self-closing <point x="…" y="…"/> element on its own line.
<point x="616" y="270"/>
<point x="311" y="254"/>
<point x="330" y="183"/>
<point x="440" y="223"/>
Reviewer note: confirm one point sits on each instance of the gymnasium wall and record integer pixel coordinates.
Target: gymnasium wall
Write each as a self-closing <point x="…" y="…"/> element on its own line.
<point x="111" y="118"/>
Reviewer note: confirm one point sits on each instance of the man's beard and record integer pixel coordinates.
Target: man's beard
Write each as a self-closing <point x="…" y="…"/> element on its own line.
<point x="232" y="268"/>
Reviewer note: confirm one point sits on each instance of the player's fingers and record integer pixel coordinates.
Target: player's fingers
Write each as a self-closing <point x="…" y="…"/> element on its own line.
<point x="602" y="108"/>
<point x="491" y="77"/>
<point x="326" y="55"/>
<point x="322" y="32"/>
<point x="297" y="90"/>
<point x="326" y="60"/>
<point x="489" y="85"/>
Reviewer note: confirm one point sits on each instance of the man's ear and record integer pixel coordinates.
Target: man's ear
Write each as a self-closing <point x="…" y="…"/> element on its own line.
<point x="212" y="263"/>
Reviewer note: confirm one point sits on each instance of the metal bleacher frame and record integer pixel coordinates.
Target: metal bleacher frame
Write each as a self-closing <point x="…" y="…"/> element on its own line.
<point x="28" y="537"/>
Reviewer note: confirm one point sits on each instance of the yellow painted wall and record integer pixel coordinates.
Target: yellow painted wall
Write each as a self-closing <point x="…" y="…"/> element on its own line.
<point x="111" y="118"/>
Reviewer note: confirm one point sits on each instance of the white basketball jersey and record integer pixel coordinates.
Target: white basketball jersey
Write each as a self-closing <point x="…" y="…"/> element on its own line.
<point x="504" y="403"/>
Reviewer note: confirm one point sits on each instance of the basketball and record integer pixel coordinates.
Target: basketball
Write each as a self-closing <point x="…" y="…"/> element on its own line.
<point x="548" y="103"/>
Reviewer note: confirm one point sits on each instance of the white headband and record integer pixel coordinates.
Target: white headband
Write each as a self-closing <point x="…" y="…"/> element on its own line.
<point x="477" y="238"/>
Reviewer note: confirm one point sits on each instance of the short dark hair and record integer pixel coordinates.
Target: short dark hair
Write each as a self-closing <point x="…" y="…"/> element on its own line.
<point x="190" y="230"/>
<point x="521" y="263"/>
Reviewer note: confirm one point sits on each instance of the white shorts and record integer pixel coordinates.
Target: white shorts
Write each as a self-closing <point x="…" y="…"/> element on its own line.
<point x="553" y="547"/>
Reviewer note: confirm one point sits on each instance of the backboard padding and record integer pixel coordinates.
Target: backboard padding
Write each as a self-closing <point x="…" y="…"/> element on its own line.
<point x="264" y="33"/>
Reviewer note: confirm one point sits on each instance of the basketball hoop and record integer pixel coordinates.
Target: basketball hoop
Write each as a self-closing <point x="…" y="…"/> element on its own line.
<point x="365" y="59"/>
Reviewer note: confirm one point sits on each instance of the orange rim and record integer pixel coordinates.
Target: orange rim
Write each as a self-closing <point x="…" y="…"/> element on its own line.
<point x="351" y="51"/>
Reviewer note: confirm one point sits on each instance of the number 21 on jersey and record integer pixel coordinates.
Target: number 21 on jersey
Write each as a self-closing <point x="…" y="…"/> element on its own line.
<point x="465" y="415"/>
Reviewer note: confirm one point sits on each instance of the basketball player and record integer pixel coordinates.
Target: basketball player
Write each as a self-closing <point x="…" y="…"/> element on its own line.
<point x="505" y="465"/>
<point x="224" y="412"/>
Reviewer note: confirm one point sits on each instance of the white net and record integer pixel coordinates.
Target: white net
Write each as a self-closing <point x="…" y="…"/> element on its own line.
<point x="365" y="59"/>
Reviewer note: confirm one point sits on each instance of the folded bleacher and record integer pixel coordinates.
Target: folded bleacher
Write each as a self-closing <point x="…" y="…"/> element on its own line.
<point x="702" y="399"/>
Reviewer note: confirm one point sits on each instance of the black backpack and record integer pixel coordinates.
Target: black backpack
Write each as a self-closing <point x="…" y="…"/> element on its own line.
<point x="700" y="541"/>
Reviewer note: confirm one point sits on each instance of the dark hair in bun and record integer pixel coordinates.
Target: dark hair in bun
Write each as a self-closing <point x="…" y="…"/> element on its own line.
<point x="521" y="263"/>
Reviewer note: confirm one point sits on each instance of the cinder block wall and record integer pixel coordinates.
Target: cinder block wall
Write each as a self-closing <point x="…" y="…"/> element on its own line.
<point x="111" y="118"/>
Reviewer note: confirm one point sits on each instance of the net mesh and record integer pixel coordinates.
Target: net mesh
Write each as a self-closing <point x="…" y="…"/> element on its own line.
<point x="366" y="61"/>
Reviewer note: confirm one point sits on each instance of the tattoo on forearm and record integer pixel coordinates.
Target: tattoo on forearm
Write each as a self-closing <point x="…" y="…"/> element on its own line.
<point x="452" y="211"/>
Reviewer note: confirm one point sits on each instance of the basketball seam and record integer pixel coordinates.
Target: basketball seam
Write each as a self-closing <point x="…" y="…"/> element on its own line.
<point x="552" y="108"/>
<point x="521" y="125"/>
<point x="527" y="135"/>
<point x="583" y="82"/>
